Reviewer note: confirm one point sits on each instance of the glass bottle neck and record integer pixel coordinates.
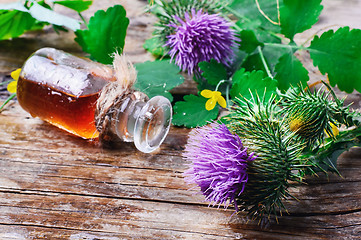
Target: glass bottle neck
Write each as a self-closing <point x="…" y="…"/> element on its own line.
<point x="146" y="123"/>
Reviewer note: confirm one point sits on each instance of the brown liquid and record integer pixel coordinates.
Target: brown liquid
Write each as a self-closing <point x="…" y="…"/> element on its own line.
<point x="71" y="113"/>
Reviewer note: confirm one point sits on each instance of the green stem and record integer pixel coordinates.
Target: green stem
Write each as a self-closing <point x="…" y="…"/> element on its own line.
<point x="264" y="62"/>
<point x="227" y="93"/>
<point x="219" y="84"/>
<point x="280" y="45"/>
<point x="227" y="89"/>
<point x="83" y="19"/>
<point x="7" y="100"/>
<point x="6" y="82"/>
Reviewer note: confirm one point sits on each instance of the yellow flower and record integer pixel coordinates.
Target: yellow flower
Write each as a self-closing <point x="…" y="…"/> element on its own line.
<point x="335" y="130"/>
<point x="12" y="85"/>
<point x="214" y="97"/>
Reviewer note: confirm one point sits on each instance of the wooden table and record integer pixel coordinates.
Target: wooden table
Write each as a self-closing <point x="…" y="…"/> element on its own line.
<point x="56" y="186"/>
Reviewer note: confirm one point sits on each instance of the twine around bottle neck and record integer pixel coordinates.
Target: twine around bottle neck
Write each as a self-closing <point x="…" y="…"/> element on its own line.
<point x="111" y="99"/>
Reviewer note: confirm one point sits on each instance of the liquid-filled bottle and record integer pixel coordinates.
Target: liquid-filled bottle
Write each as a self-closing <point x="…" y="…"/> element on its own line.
<point x="64" y="90"/>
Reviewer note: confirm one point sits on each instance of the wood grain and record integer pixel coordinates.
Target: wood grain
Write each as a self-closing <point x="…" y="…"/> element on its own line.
<point x="56" y="186"/>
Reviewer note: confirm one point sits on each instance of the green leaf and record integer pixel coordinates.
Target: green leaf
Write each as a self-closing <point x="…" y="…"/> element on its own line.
<point x="19" y="19"/>
<point x="192" y="112"/>
<point x="290" y="72"/>
<point x="249" y="14"/>
<point x="77" y="5"/>
<point x="253" y="62"/>
<point x="154" y="46"/>
<point x="14" y="20"/>
<point x="245" y="84"/>
<point x="44" y="4"/>
<point x="213" y="71"/>
<point x="298" y="15"/>
<point x="256" y="29"/>
<point x="14" y="23"/>
<point x="261" y="34"/>
<point x="247" y="24"/>
<point x="338" y="55"/>
<point x="271" y="55"/>
<point x="105" y="35"/>
<point x="326" y="156"/>
<point x="157" y="78"/>
<point x="43" y="14"/>
<point x="249" y="41"/>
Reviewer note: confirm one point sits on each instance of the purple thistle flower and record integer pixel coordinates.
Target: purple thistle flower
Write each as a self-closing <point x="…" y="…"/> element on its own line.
<point x="200" y="37"/>
<point x="219" y="163"/>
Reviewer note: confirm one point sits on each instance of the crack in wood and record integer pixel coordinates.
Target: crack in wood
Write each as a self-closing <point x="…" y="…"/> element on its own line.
<point x="169" y="231"/>
<point x="50" y="193"/>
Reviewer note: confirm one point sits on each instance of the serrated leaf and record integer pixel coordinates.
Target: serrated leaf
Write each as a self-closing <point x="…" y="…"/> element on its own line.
<point x="213" y="71"/>
<point x="249" y="12"/>
<point x="290" y="72"/>
<point x="192" y="112"/>
<point x="157" y="78"/>
<point x="154" y="46"/>
<point x="257" y="30"/>
<point x="262" y="34"/>
<point x="77" y="5"/>
<point x="14" y="23"/>
<point x="249" y="41"/>
<point x="105" y="34"/>
<point x="43" y="14"/>
<point x="247" y="24"/>
<point x="253" y="62"/>
<point x="326" y="156"/>
<point x="245" y="84"/>
<point x="337" y="54"/>
<point x="271" y="55"/>
<point x="298" y="15"/>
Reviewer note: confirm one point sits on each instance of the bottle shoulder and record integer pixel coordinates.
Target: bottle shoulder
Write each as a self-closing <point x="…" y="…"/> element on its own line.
<point x="67" y="73"/>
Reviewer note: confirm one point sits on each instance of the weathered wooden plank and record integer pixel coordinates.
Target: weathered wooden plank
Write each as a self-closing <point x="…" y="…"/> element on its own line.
<point x="80" y="170"/>
<point x="123" y="217"/>
<point x="129" y="217"/>
<point x="153" y="184"/>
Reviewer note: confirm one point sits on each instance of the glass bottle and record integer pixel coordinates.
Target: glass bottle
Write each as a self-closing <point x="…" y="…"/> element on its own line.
<point x="63" y="90"/>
